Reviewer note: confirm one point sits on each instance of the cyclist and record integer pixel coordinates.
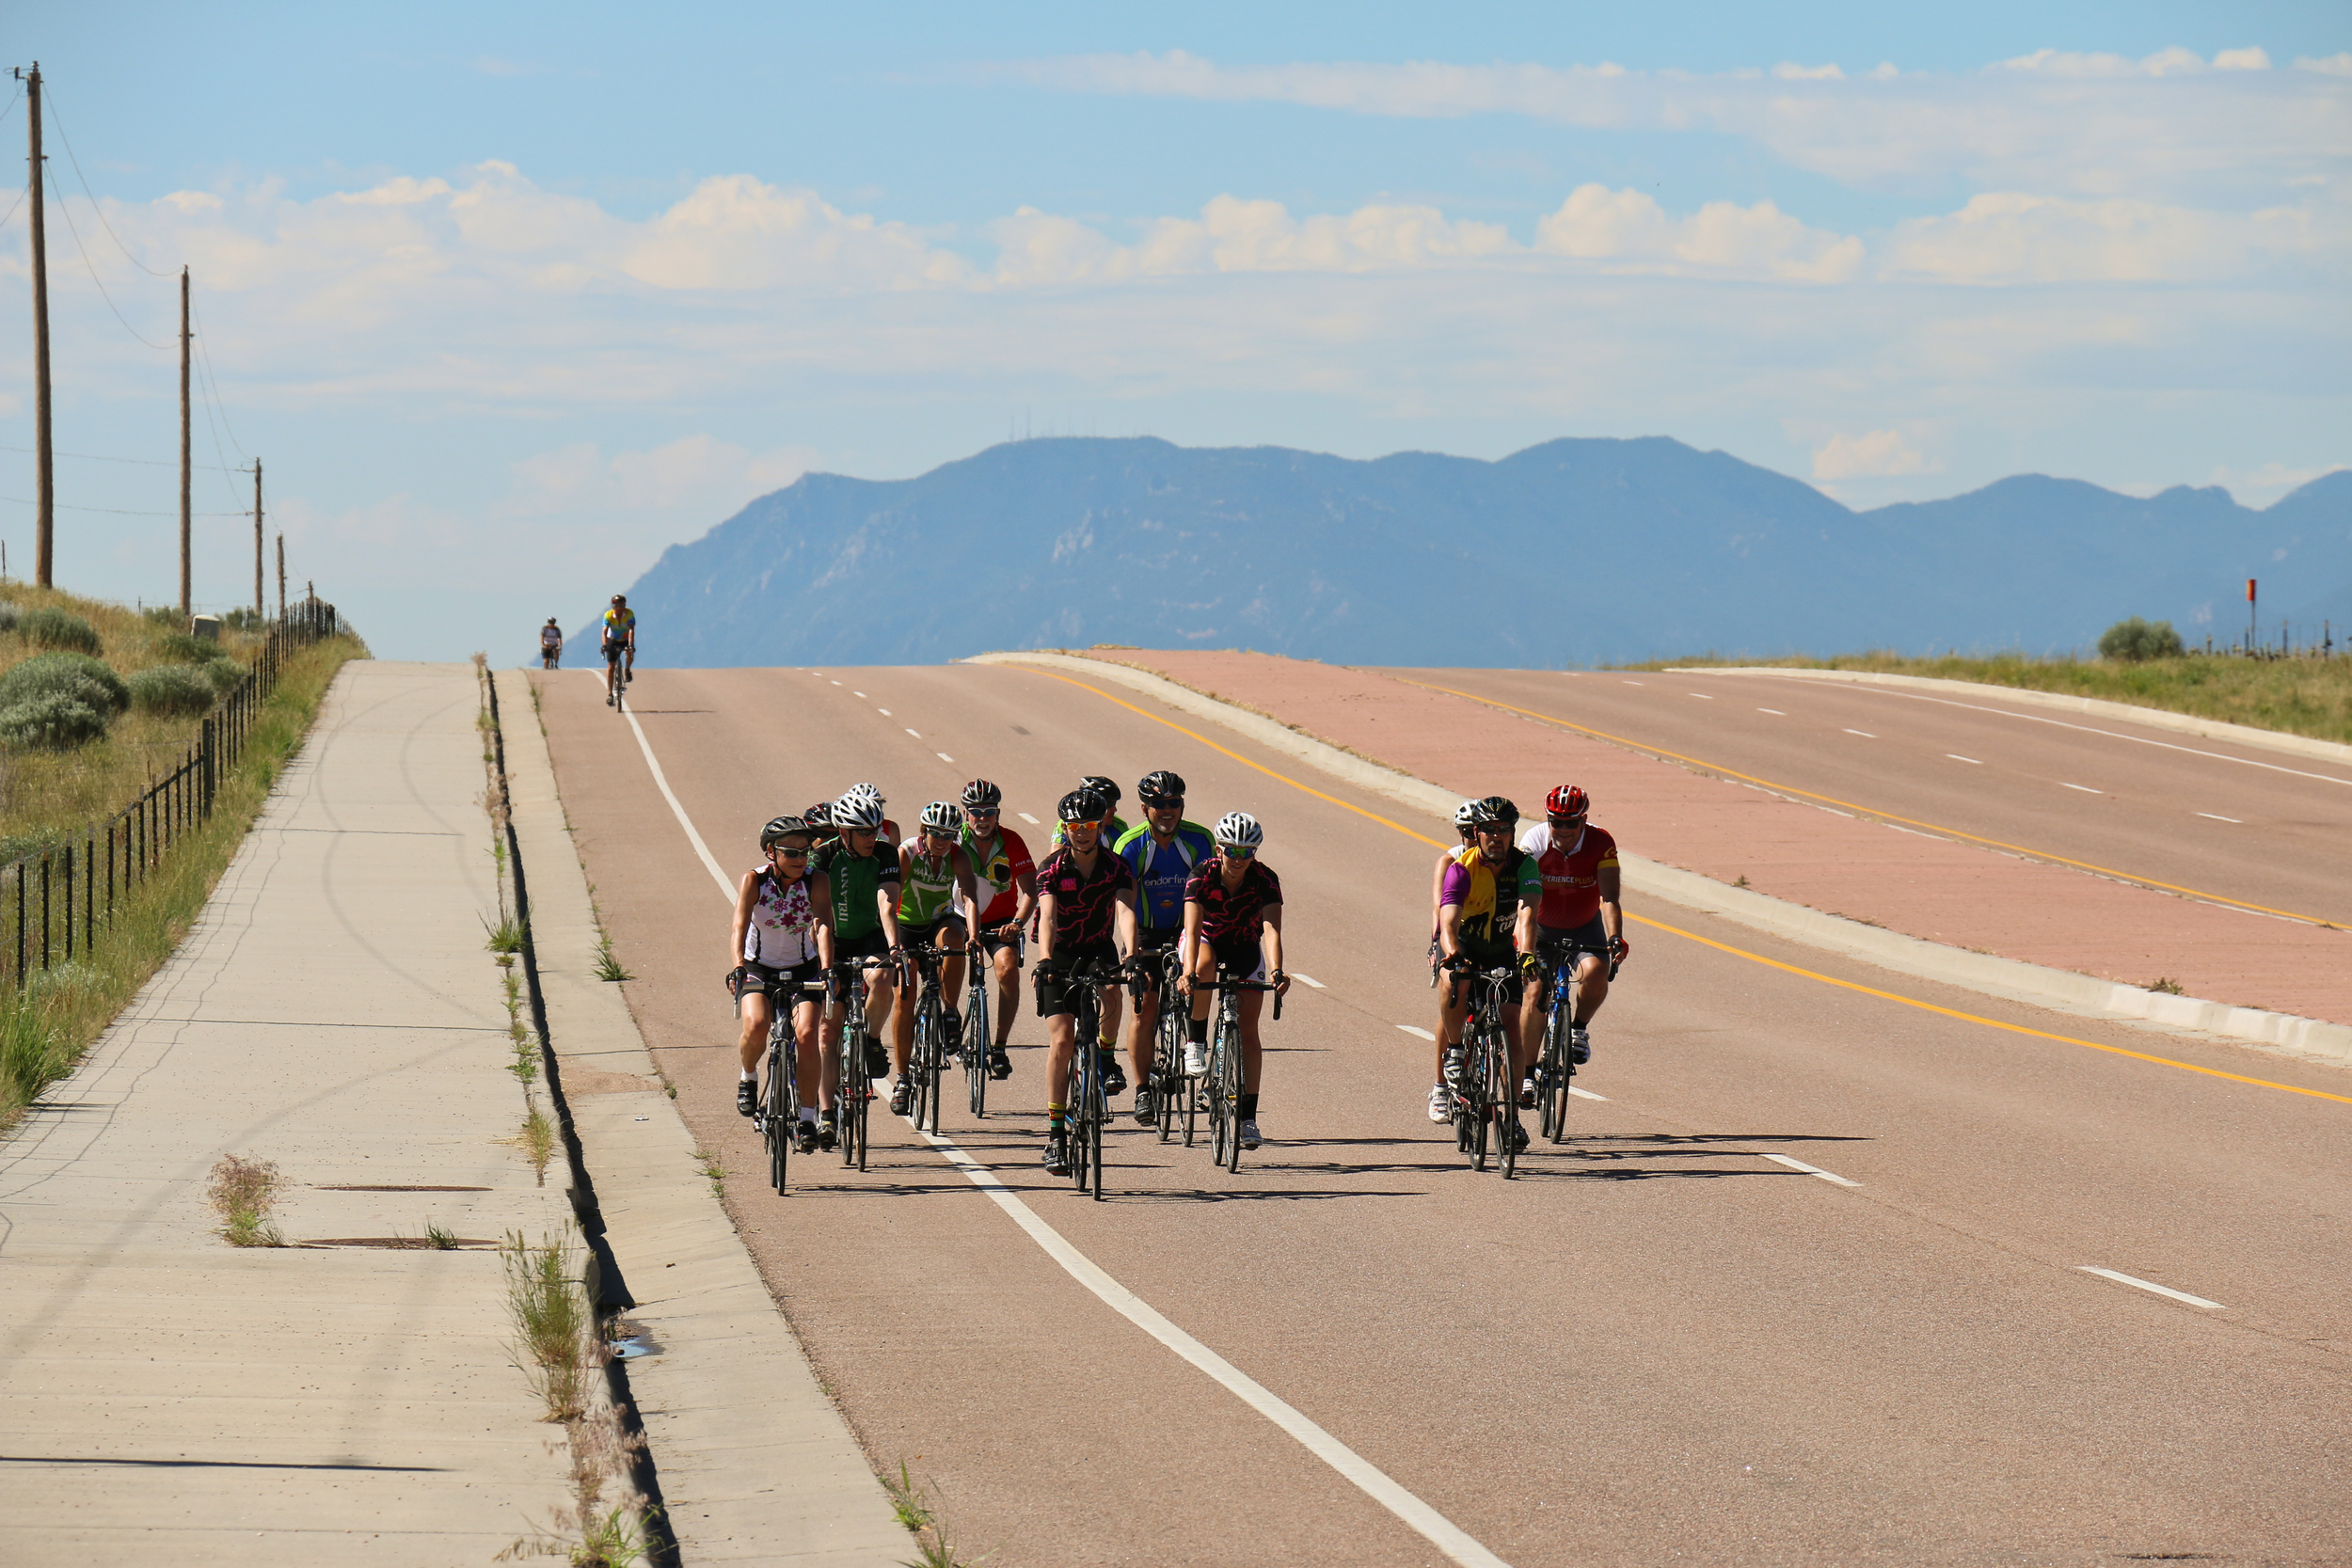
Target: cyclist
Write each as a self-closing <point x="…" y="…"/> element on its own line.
<point x="783" y="939"/>
<point x="618" y="641"/>
<point x="1000" y="859"/>
<point x="889" y="829"/>
<point x="1465" y="824"/>
<point x="1162" y="851"/>
<point x="1487" y="919"/>
<point x="820" y="820"/>
<point x="1579" y="864"/>
<point x="1234" y="923"/>
<point x="1085" y="915"/>
<point x="551" y="644"/>
<point x="864" y="876"/>
<point x="934" y="882"/>
<point x="1113" y="828"/>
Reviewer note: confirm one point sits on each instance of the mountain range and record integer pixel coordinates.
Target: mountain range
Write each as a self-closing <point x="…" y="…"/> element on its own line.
<point x="1575" y="552"/>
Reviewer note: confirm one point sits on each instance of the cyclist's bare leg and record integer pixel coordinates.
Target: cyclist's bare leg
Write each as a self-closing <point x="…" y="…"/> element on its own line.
<point x="881" y="991"/>
<point x="754" y="1044"/>
<point x="1527" y="1036"/>
<point x="1007" y="992"/>
<point x="902" y="1028"/>
<point x="1140" y="1025"/>
<point x="1592" y="987"/>
<point x="1062" y="1048"/>
<point x="951" y="968"/>
<point x="816" y="1087"/>
<point x="1114" y="998"/>
<point x="1252" y="1003"/>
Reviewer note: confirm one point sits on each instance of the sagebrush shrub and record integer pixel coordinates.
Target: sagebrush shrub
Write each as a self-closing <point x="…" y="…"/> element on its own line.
<point x="77" y="675"/>
<point x="51" y="722"/>
<point x="2135" y="639"/>
<point x="174" y="690"/>
<point x="52" y="627"/>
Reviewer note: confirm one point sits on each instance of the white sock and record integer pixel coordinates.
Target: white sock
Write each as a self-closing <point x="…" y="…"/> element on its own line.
<point x="750" y="1077"/>
<point x="808" y="1114"/>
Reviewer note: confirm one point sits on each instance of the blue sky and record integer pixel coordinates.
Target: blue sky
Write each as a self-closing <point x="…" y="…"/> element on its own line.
<point x="510" y="301"/>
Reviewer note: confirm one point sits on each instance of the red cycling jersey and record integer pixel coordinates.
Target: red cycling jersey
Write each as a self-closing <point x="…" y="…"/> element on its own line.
<point x="1571" y="875"/>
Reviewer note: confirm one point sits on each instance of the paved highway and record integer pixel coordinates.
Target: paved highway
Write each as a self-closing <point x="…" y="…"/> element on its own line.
<point x="2235" y="824"/>
<point x="1810" y="1285"/>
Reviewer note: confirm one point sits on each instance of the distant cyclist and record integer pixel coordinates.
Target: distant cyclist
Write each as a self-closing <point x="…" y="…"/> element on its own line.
<point x="617" y="641"/>
<point x="864" y="877"/>
<point x="1233" y="925"/>
<point x="1162" y="851"/>
<point x="1579" y="864"/>
<point x="782" y="939"/>
<point x="1086" y="916"/>
<point x="551" y="644"/>
<point x="1487" y="921"/>
<point x="935" y="883"/>
<point x="1001" y="864"/>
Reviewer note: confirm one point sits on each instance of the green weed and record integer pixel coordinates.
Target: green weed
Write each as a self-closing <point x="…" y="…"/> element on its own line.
<point x="243" y="1192"/>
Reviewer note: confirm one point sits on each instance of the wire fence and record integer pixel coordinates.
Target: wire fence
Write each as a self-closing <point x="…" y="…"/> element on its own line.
<point x="58" y="899"/>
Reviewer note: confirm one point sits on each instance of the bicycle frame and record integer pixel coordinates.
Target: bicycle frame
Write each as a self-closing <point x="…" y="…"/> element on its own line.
<point x="1224" y="1089"/>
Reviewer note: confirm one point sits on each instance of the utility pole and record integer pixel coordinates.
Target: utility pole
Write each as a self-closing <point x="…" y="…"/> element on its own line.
<point x="186" y="566"/>
<point x="260" y="606"/>
<point x="44" y="492"/>
<point x="282" y="577"/>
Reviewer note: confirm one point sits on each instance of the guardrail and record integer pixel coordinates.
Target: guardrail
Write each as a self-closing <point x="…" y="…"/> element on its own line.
<point x="56" y="901"/>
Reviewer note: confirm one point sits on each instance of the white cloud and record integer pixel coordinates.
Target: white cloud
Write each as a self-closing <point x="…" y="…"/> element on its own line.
<point x="1761" y="241"/>
<point x="697" y="476"/>
<point x="2330" y="64"/>
<point x="1880" y="454"/>
<point x="2012" y="237"/>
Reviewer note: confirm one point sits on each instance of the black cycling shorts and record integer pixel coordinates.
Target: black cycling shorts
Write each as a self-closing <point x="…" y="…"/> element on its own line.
<point x="760" y="979"/>
<point x="873" y="944"/>
<point x="992" y="944"/>
<point x="927" y="936"/>
<point x="612" y="652"/>
<point x="1240" y="956"/>
<point x="1593" y="937"/>
<point x="1058" y="995"/>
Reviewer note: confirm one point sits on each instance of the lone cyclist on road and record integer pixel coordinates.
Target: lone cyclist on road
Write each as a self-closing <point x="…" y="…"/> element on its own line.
<point x="551" y="644"/>
<point x="619" y="640"/>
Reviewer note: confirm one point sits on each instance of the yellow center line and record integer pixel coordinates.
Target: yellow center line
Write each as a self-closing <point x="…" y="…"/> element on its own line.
<point x="1693" y="936"/>
<point x="1871" y="811"/>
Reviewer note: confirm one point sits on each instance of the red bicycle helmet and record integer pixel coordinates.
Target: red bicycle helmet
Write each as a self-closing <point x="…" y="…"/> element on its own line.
<point x="1566" y="801"/>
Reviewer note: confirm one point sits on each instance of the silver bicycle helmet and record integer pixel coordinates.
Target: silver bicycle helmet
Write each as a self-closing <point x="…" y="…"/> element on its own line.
<point x="856" y="811"/>
<point x="1238" y="830"/>
<point x="780" y="828"/>
<point x="865" y="792"/>
<point x="942" y="816"/>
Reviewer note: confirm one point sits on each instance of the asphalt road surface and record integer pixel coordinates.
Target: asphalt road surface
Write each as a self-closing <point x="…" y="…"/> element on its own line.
<point x="2234" y="824"/>
<point x="1668" y="1340"/>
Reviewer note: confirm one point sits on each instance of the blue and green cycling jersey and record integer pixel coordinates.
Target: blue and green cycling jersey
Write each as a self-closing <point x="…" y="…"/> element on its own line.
<point x="1162" y="870"/>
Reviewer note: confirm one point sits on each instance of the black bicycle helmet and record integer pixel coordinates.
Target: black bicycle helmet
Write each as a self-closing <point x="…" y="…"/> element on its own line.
<point x="981" y="794"/>
<point x="818" y="815"/>
<point x="780" y="828"/>
<point x="1161" y="788"/>
<point x="1102" y="786"/>
<point x="1495" y="809"/>
<point x="1083" y="805"/>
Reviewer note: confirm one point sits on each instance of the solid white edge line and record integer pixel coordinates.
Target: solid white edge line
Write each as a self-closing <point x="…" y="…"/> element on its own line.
<point x="1449" y="1538"/>
<point x="1423" y="1033"/>
<point x="1811" y="1170"/>
<point x="2151" y="1285"/>
<point x="2210" y="817"/>
<point x="1585" y="1094"/>
<point x="1309" y="980"/>
<point x="709" y="860"/>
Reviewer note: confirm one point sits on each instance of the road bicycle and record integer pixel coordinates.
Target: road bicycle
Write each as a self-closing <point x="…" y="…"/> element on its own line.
<point x="1486" y="1100"/>
<point x="977" y="1037"/>
<point x="1223" y="1090"/>
<point x="1089" y="1110"/>
<point x="926" y="1072"/>
<point x="777" y="1118"/>
<point x="852" y="1088"/>
<point x="1179" y="1096"/>
<point x="617" y="684"/>
<point x="1556" y="1064"/>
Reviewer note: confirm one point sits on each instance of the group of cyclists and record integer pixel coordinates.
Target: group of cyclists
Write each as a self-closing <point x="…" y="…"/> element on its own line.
<point x="616" y="640"/>
<point x="840" y="898"/>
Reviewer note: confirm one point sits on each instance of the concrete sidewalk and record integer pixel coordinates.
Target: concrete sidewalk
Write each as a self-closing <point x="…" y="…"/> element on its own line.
<point x="165" y="1398"/>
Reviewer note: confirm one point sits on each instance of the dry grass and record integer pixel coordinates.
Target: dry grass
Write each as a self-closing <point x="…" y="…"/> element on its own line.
<point x="243" y="1192"/>
<point x="2296" y="696"/>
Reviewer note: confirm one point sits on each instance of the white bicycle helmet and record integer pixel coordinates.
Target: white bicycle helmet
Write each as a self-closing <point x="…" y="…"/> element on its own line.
<point x="1465" y="816"/>
<point x="1240" y="831"/>
<point x="865" y="792"/>
<point x="942" y="816"/>
<point x="856" y="811"/>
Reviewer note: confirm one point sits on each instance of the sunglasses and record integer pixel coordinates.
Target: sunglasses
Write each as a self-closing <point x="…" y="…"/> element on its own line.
<point x="788" y="852"/>
<point x="1165" y="802"/>
<point x="1238" y="851"/>
<point x="859" y="832"/>
<point x="946" y="835"/>
<point x="977" y="814"/>
<point x="1503" y="828"/>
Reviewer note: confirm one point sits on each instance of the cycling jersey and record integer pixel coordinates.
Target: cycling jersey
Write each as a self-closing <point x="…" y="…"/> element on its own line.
<point x="550" y="638"/>
<point x="1571" y="873"/>
<point x="619" y="624"/>
<point x="1234" y="914"/>
<point x="928" y="887"/>
<point x="857" y="881"/>
<point x="999" y="868"/>
<point x="1084" y="908"/>
<point x="1489" y="895"/>
<point x="781" y="933"/>
<point x="1162" y="870"/>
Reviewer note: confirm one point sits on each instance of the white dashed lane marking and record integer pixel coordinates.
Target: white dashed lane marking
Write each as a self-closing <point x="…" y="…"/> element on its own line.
<point x="1628" y="682"/>
<point x="860" y="694"/>
<point x="2085" y="788"/>
<point x="1026" y="817"/>
<point x="918" y="734"/>
<point x="2151" y="1285"/>
<point x="883" y="712"/>
<point x="2210" y="817"/>
<point x="942" y="756"/>
<point x="1811" y="1170"/>
<point x="1424" y="1032"/>
<point x="1863" y="734"/>
<point x="1585" y="1094"/>
<point x="1970" y="761"/>
<point x="1774" y="711"/>
<point x="1307" y="980"/>
<point x="1701" y="696"/>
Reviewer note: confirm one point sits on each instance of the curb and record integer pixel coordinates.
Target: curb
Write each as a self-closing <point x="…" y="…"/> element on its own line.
<point x="2096" y="707"/>
<point x="756" y="1465"/>
<point x="2008" y="979"/>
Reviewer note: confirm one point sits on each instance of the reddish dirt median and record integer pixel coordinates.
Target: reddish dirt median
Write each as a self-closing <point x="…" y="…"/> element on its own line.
<point x="1890" y="877"/>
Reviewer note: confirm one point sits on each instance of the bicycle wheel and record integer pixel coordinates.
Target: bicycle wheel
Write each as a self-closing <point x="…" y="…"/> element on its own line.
<point x="923" y="1063"/>
<point x="1098" y="1112"/>
<point x="857" y="1092"/>
<point x="976" y="1038"/>
<point x="1220" y="1108"/>
<point x="772" y="1119"/>
<point x="1504" y="1093"/>
<point x="1476" y="1070"/>
<point x="1556" y="1073"/>
<point x="1167" y="1056"/>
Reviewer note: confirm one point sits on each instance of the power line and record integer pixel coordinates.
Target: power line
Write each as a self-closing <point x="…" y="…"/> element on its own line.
<point x="59" y="122"/>
<point x="97" y="457"/>
<point x="213" y="392"/>
<point x="120" y="512"/>
<point x="89" y="266"/>
<point x="20" y="195"/>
